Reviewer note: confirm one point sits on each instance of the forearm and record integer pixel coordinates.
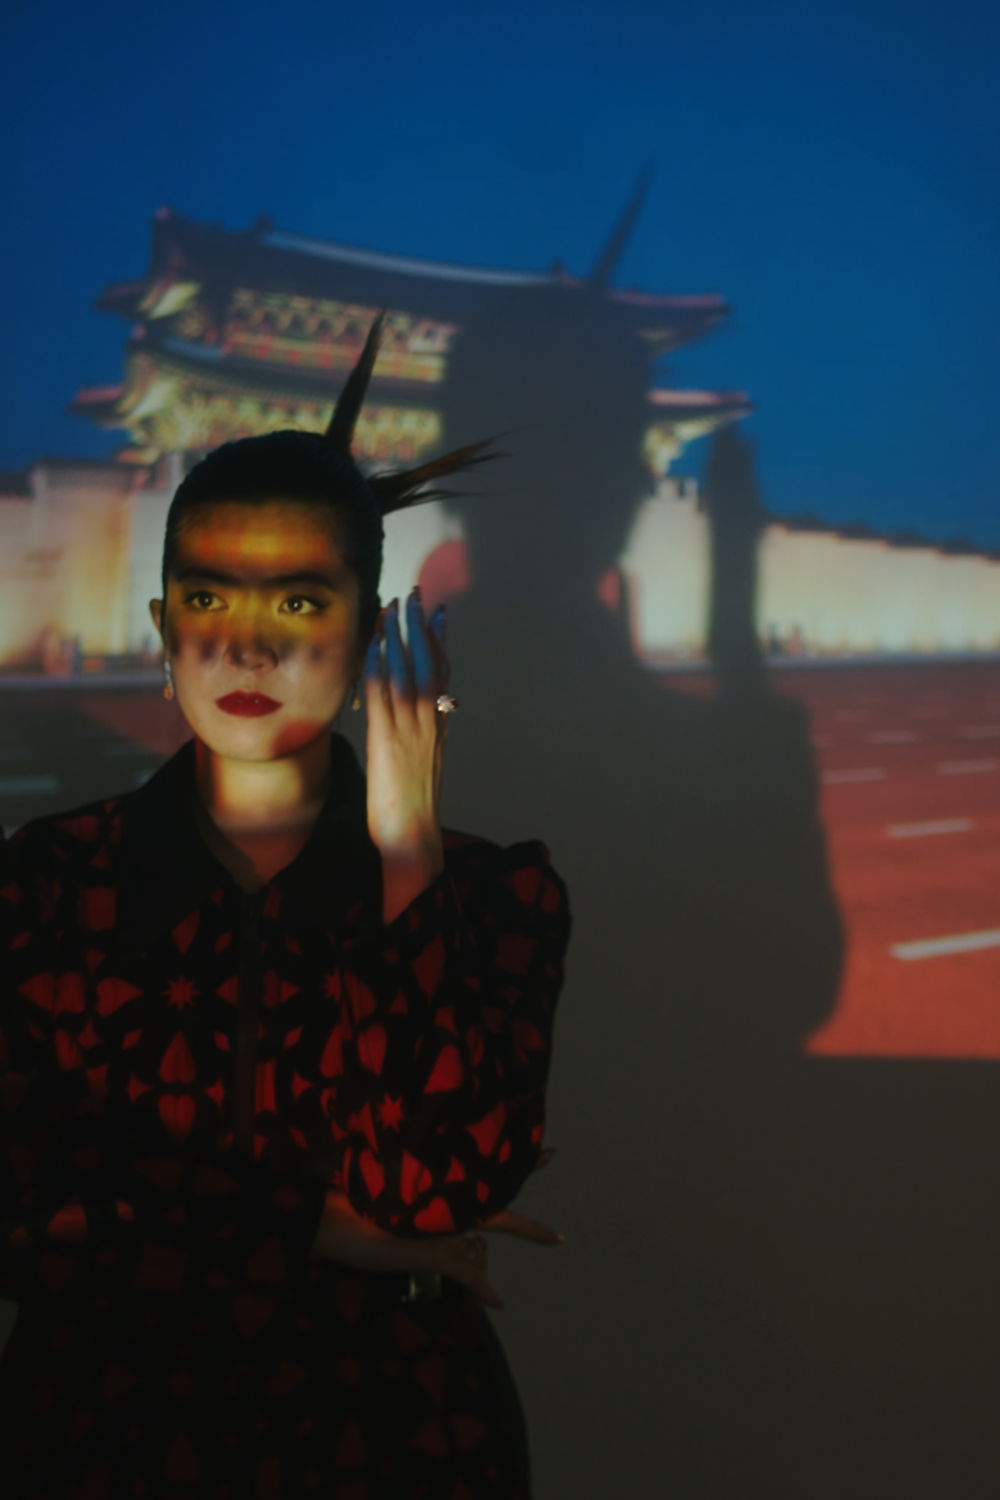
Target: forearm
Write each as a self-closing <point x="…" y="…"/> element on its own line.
<point x="345" y="1236"/>
<point x="408" y="870"/>
<point x="350" y="1240"/>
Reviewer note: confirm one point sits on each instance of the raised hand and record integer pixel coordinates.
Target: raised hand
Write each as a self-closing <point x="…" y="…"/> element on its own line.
<point x="405" y="751"/>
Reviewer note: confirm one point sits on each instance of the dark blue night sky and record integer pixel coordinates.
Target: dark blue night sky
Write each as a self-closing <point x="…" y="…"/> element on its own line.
<point x="830" y="168"/>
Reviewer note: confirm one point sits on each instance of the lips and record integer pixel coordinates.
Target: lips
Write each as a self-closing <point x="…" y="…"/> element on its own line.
<point x="247" y="704"/>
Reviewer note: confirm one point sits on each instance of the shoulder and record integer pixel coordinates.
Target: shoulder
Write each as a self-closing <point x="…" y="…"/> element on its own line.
<point x="53" y="845"/>
<point x="522" y="872"/>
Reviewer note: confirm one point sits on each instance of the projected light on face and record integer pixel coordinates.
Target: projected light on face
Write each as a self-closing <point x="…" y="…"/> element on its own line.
<point x="262" y="613"/>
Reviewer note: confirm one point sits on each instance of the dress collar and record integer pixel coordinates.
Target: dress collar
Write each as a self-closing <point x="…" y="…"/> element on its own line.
<point x="166" y="867"/>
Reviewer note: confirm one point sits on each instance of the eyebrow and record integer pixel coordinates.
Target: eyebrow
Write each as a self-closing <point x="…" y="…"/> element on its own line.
<point x="278" y="580"/>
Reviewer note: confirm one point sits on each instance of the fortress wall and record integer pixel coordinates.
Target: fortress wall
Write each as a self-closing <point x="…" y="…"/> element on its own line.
<point x="149" y="522"/>
<point x="88" y="526"/>
<point x="66" y="557"/>
<point x="666" y="564"/>
<point x="971" y="613"/>
<point x="20" y="623"/>
<point x="410" y="537"/>
<point x="819" y="593"/>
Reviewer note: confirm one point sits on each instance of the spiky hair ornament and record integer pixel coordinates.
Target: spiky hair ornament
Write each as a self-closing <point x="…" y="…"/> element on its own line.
<point x="393" y="491"/>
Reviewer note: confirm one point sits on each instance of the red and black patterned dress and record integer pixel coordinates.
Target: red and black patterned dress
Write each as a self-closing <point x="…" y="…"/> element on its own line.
<point x="184" y="1069"/>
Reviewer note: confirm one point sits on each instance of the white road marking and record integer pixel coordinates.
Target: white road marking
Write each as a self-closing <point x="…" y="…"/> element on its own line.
<point x="11" y="786"/>
<point x="892" y="737"/>
<point x="916" y="830"/>
<point x="965" y="767"/>
<point x="867" y="773"/>
<point x="980" y="732"/>
<point x="960" y="942"/>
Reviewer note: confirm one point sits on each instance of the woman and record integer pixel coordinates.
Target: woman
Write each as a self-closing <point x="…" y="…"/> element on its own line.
<point x="274" y="1045"/>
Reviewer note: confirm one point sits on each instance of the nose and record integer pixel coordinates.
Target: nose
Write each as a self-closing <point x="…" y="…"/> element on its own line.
<point x="250" y="643"/>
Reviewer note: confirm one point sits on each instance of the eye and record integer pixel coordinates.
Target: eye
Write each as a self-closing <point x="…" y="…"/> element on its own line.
<point x="315" y="604"/>
<point x="200" y="594"/>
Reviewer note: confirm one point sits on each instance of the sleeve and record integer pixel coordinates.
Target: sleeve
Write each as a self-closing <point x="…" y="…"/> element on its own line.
<point x="448" y="1016"/>
<point x="79" y="1217"/>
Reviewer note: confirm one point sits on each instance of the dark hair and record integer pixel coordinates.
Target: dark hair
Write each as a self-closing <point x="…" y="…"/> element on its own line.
<point x="289" y="465"/>
<point x="320" y="468"/>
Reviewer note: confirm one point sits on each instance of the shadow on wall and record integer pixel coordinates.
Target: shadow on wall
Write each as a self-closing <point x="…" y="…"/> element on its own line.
<point x="780" y="1276"/>
<point x="772" y="1265"/>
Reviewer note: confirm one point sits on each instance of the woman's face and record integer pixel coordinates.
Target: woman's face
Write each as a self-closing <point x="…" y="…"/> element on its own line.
<point x="261" y="603"/>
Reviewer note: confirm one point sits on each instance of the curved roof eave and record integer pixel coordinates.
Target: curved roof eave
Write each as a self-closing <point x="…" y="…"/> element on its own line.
<point x="276" y="260"/>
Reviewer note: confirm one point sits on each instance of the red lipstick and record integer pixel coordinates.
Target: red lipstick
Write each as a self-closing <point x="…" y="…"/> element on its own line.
<point x="249" y="705"/>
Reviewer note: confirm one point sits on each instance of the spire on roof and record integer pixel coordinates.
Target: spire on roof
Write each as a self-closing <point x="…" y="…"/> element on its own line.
<point x="612" y="253"/>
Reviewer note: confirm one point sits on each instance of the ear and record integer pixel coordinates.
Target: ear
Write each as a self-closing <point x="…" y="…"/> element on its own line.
<point x="156" y="610"/>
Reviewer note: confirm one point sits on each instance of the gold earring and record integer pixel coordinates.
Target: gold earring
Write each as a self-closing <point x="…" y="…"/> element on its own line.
<point x="356" y="699"/>
<point x="168" y="681"/>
